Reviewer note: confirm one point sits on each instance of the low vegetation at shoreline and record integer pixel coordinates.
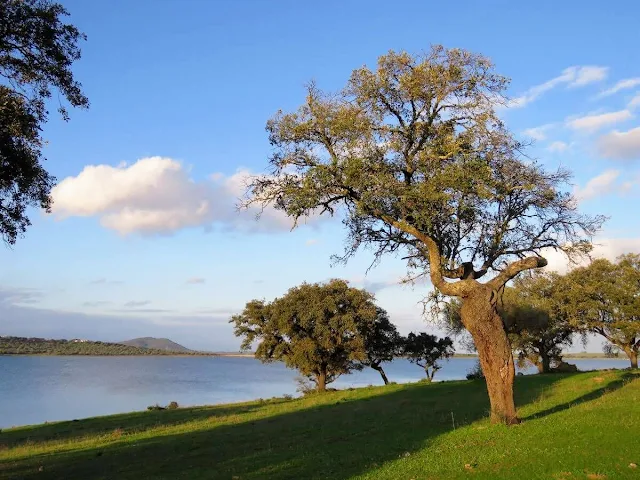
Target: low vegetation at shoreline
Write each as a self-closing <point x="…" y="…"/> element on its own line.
<point x="41" y="346"/>
<point x="421" y="431"/>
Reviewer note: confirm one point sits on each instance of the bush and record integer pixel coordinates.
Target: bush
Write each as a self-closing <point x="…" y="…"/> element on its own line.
<point x="155" y="407"/>
<point x="172" y="406"/>
<point x="476" y="372"/>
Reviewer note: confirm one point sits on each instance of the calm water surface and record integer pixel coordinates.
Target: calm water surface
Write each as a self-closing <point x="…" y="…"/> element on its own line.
<point x="39" y="389"/>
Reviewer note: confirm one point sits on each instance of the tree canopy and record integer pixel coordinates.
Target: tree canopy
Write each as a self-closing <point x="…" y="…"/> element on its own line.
<point x="536" y="329"/>
<point x="314" y="328"/>
<point x="415" y="159"/>
<point x="425" y="350"/>
<point x="382" y="343"/>
<point x="37" y="50"/>
<point x="604" y="298"/>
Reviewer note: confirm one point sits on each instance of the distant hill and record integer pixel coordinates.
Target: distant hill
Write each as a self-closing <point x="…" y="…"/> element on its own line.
<point x="156" y="344"/>
<point x="77" y="346"/>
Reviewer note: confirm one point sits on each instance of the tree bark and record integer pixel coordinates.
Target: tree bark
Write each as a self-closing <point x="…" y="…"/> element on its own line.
<point x="633" y="357"/>
<point x="545" y="363"/>
<point x="379" y="369"/>
<point x="480" y="316"/>
<point x="321" y="381"/>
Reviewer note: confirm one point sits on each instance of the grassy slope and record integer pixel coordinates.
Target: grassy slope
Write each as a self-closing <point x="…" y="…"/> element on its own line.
<point x="576" y="426"/>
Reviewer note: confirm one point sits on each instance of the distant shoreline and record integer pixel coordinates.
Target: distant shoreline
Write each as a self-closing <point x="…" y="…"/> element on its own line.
<point x="574" y="356"/>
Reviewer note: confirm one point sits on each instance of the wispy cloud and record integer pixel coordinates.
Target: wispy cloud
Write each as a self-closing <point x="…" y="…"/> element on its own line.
<point x="558" y="147"/>
<point x="538" y="133"/>
<point x="104" y="281"/>
<point x="137" y="303"/>
<point x="577" y="76"/>
<point x="591" y="123"/>
<point x="621" y="85"/>
<point x="311" y="241"/>
<point x="634" y="102"/>
<point x="195" y="281"/>
<point x="603" y="184"/>
<point x="97" y="303"/>
<point x="620" y="145"/>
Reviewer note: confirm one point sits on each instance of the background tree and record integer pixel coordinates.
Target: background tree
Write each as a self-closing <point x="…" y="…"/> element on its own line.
<point x="604" y="298"/>
<point x="382" y="343"/>
<point x="536" y="329"/>
<point x="37" y="50"/>
<point x="314" y="328"/>
<point x="415" y="158"/>
<point x="425" y="350"/>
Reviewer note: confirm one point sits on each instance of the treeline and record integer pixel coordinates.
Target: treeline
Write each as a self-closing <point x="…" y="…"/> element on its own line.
<point x="42" y="346"/>
<point x="327" y="330"/>
<point x="544" y="312"/>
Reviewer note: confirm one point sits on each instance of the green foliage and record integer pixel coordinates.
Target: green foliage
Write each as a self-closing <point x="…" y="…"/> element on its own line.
<point x="396" y="432"/>
<point x="425" y="350"/>
<point x="41" y="346"/>
<point x="604" y="298"/>
<point x="37" y="50"/>
<point x="475" y="373"/>
<point x="415" y="156"/>
<point x="314" y="328"/>
<point x="382" y="342"/>
<point x="537" y="330"/>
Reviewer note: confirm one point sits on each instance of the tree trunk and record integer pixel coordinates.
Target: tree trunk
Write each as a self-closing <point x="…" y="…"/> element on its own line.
<point x="545" y="363"/>
<point x="321" y="381"/>
<point x="633" y="357"/>
<point x="379" y="369"/>
<point x="480" y="316"/>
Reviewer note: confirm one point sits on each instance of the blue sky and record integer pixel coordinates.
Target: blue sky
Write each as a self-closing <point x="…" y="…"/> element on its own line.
<point x="180" y="93"/>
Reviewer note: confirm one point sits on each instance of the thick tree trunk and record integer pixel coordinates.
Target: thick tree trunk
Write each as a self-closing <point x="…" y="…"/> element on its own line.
<point x="545" y="363"/>
<point x="379" y="369"/>
<point x="480" y="316"/>
<point x="321" y="381"/>
<point x="633" y="357"/>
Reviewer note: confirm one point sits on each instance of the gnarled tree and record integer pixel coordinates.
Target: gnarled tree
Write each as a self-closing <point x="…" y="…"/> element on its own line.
<point x="415" y="159"/>
<point x="425" y="350"/>
<point x="604" y="298"/>
<point x="382" y="343"/>
<point x="314" y="328"/>
<point x="37" y="50"/>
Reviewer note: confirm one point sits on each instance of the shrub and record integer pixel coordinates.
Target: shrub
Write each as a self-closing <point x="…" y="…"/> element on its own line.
<point x="172" y="406"/>
<point x="476" y="372"/>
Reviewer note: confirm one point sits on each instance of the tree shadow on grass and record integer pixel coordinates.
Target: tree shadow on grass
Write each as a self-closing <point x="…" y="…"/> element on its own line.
<point x="348" y="434"/>
<point x="605" y="388"/>
<point x="134" y="422"/>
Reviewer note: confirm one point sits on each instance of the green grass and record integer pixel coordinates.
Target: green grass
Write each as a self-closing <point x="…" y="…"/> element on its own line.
<point x="576" y="426"/>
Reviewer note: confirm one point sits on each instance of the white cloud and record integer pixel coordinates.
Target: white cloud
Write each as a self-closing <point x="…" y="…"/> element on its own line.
<point x="620" y="145"/>
<point x="558" y="147"/>
<point x="538" y="133"/>
<point x="621" y="85"/>
<point x="609" y="248"/>
<point x="311" y="241"/>
<point x="634" y="102"/>
<point x="601" y="185"/>
<point x="577" y="76"/>
<point x="195" y="281"/>
<point x="592" y="123"/>
<point x="155" y="195"/>
<point x="589" y="74"/>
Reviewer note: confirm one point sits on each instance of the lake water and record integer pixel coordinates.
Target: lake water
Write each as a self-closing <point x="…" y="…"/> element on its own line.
<point x="38" y="389"/>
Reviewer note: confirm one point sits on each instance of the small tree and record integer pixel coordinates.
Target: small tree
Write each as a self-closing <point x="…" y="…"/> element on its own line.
<point x="37" y="50"/>
<point x="314" y="328"/>
<point x="425" y="350"/>
<point x="536" y="330"/>
<point x="416" y="158"/>
<point x="382" y="343"/>
<point x="604" y="298"/>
